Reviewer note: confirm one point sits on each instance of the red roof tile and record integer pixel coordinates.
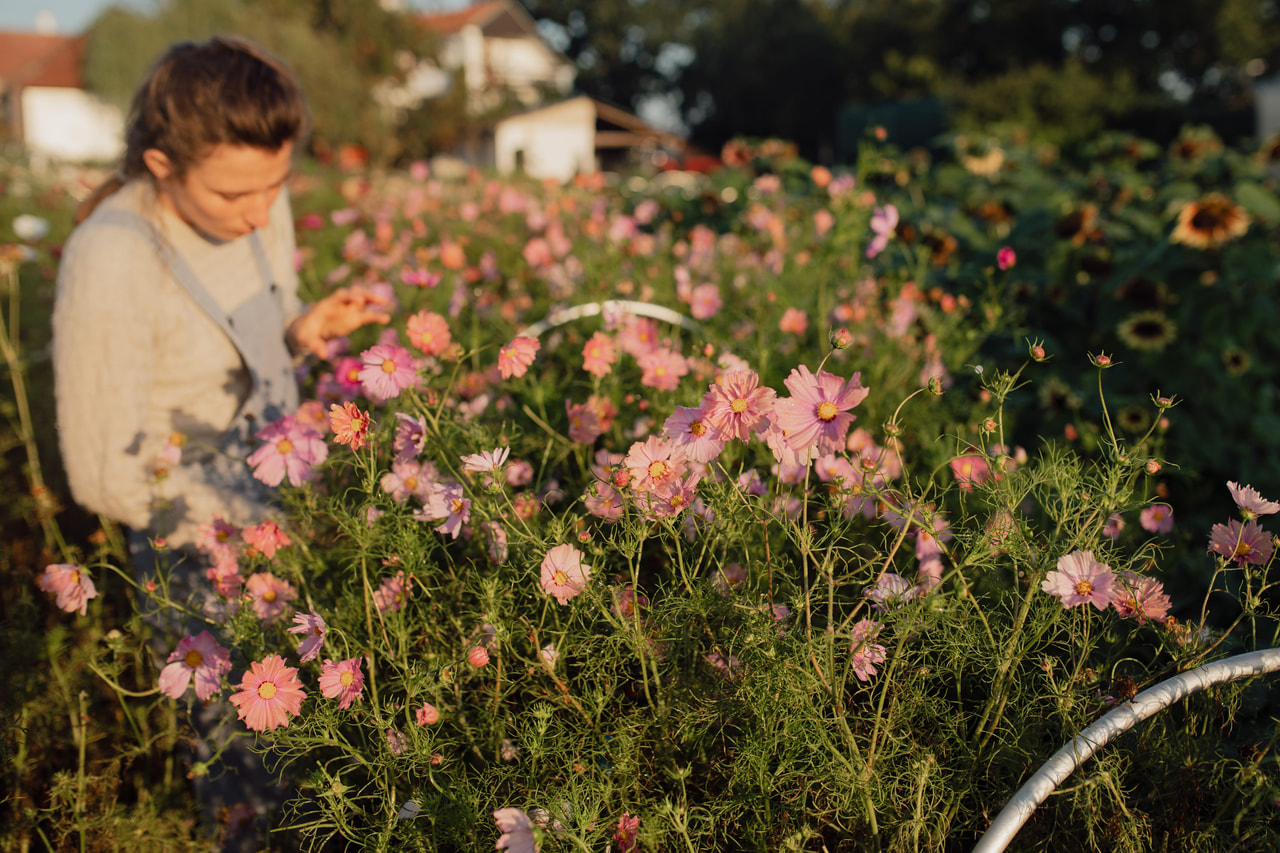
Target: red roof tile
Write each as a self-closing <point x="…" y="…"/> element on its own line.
<point x="30" y="59"/>
<point x="448" y="23"/>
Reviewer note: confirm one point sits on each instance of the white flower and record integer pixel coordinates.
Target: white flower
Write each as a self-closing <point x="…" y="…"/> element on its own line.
<point x="30" y="228"/>
<point x="488" y="462"/>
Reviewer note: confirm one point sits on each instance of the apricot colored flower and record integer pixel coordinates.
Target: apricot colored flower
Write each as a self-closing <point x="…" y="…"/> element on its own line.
<point x="271" y="595"/>
<point x="199" y="657"/>
<point x="270" y="693"/>
<point x="564" y="575"/>
<point x="738" y="405"/>
<point x="429" y="332"/>
<point x="350" y="425"/>
<point x="599" y="355"/>
<point x="266" y="538"/>
<point x="514" y="358"/>
<point x="343" y="681"/>
<point x="1209" y="222"/>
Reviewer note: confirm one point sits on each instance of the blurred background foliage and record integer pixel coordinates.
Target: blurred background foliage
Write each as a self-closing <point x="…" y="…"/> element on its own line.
<point x="782" y="68"/>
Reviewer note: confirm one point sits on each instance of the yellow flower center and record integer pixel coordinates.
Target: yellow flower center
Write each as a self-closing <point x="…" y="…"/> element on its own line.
<point x="827" y="410"/>
<point x="269" y="596"/>
<point x="411" y="483"/>
<point x="660" y="371"/>
<point x="594" y="352"/>
<point x="389" y="366"/>
<point x="738" y="406"/>
<point x="285" y="446"/>
<point x="456" y="506"/>
<point x="657" y="468"/>
<point x="347" y="678"/>
<point x="559" y="578"/>
<point x="193" y="659"/>
<point x="1243" y="549"/>
<point x="266" y="690"/>
<point x="698" y="428"/>
<point x="1084" y="588"/>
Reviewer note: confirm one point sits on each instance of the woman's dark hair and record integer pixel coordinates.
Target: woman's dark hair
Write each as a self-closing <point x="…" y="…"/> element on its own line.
<point x="226" y="90"/>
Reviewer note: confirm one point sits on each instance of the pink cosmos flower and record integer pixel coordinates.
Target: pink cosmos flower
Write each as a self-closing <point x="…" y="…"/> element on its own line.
<point x="687" y="429"/>
<point x="970" y="471"/>
<point x="584" y="423"/>
<point x="287" y="448"/>
<point x="1247" y="543"/>
<point x="823" y="220"/>
<point x="387" y="370"/>
<point x="816" y="414"/>
<point x="865" y="653"/>
<point x="599" y="355"/>
<point x="72" y="585"/>
<point x="638" y="335"/>
<point x="653" y="463"/>
<point x="517" y="831"/>
<point x="343" y="681"/>
<point x="408" y="478"/>
<point x="794" y="321"/>
<point x="514" y="358"/>
<point x="626" y="833"/>
<point x="1006" y="258"/>
<point x="1114" y="524"/>
<point x="1080" y="579"/>
<point x="891" y="591"/>
<point x="312" y="628"/>
<point x="564" y="575"/>
<point x="662" y="368"/>
<point x="429" y="332"/>
<point x="427" y="715"/>
<point x="271" y="595"/>
<point x="705" y="301"/>
<point x="225" y="577"/>
<point x="446" y="502"/>
<point x="270" y="693"/>
<point x="883" y="222"/>
<point x="266" y="538"/>
<point x="410" y="438"/>
<point x="487" y="461"/>
<point x="391" y="595"/>
<point x="350" y="425"/>
<point x="738" y="406"/>
<point x="218" y="539"/>
<point x="672" y="498"/>
<point x="1251" y="503"/>
<point x="200" y="657"/>
<point x="1157" y="518"/>
<point x="1140" y="597"/>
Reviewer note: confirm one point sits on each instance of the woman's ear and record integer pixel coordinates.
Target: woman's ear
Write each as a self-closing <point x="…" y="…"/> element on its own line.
<point x="157" y="163"/>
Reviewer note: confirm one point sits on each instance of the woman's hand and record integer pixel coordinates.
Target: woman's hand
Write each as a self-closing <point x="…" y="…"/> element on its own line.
<point x="338" y="314"/>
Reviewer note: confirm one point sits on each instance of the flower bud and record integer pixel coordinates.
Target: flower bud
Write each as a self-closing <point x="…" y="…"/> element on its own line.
<point x="935" y="386"/>
<point x="478" y="656"/>
<point x="840" y="339"/>
<point x="1101" y="360"/>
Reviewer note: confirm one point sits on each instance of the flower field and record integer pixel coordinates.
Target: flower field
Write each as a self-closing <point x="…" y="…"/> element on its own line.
<point x="782" y="508"/>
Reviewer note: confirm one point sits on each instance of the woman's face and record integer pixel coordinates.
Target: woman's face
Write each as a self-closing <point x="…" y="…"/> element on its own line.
<point x="227" y="194"/>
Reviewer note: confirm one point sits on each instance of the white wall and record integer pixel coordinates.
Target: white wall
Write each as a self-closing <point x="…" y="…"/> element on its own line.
<point x="558" y="141"/>
<point x="70" y="124"/>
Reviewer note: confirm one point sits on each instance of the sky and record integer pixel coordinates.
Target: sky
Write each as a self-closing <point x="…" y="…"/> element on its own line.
<point x="73" y="16"/>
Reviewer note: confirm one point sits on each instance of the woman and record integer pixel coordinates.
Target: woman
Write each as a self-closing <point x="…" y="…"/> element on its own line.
<point x="177" y="319"/>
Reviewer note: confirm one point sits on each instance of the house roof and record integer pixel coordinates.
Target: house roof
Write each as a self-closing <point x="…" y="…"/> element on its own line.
<point x="615" y="127"/>
<point x="31" y="59"/>
<point x="448" y="23"/>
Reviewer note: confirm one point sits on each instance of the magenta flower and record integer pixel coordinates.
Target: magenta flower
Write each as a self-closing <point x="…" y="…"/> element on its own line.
<point x="816" y="416"/>
<point x="626" y="833"/>
<point x="271" y="595"/>
<point x="514" y="359"/>
<point x="564" y="575"/>
<point x="287" y="448"/>
<point x="883" y="222"/>
<point x="72" y="585"/>
<point x="312" y="628"/>
<point x="1157" y="518"/>
<point x="270" y="693"/>
<point x="738" y="406"/>
<point x="200" y="657"/>
<point x="343" y="681"/>
<point x="865" y="653"/>
<point x="1247" y="543"/>
<point x="1080" y="579"/>
<point x="387" y="370"/>
<point x="1006" y="258"/>
<point x="1250" y="502"/>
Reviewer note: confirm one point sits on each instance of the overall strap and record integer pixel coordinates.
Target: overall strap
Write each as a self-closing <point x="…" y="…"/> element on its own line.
<point x="182" y="272"/>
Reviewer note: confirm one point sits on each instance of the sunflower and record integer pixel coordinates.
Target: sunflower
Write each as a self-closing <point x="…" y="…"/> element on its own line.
<point x="1142" y="292"/>
<point x="1236" y="361"/>
<point x="1210" y="222"/>
<point x="1150" y="331"/>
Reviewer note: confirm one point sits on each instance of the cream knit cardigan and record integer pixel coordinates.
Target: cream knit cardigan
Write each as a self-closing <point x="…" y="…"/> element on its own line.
<point x="136" y="361"/>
